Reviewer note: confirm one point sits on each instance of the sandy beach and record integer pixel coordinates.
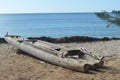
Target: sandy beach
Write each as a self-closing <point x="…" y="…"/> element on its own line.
<point x="19" y="66"/>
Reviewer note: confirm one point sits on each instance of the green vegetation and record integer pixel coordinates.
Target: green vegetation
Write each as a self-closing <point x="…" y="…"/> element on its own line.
<point x="110" y="17"/>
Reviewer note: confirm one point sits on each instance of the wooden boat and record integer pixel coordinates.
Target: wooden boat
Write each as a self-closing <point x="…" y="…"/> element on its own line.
<point x="78" y="60"/>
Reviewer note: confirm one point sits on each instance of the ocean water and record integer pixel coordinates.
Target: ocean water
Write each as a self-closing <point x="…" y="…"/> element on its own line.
<point x="56" y="25"/>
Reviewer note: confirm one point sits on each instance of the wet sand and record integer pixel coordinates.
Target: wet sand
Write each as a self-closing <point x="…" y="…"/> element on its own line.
<point x="14" y="66"/>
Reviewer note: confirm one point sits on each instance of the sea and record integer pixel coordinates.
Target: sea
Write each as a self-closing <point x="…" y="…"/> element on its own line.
<point x="56" y="25"/>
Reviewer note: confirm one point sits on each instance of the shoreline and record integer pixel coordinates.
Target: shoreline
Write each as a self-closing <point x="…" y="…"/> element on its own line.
<point x="70" y="39"/>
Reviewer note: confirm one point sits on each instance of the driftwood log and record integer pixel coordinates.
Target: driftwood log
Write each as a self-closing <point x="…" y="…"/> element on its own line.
<point x="54" y="54"/>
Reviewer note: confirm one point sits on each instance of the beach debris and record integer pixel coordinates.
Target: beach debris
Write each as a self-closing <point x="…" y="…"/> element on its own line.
<point x="74" y="59"/>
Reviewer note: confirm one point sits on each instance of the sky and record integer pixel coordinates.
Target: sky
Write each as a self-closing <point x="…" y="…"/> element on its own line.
<point x="57" y="6"/>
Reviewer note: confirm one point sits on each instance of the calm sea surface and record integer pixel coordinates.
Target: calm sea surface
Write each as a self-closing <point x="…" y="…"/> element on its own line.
<point x="56" y="25"/>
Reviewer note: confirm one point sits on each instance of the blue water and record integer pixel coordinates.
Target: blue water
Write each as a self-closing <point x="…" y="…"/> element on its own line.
<point x="56" y="25"/>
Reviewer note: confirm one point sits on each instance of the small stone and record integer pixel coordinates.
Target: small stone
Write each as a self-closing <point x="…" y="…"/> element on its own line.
<point x="42" y="62"/>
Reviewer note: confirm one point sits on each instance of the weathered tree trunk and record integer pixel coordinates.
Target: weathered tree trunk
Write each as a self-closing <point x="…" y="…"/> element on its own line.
<point x="44" y="52"/>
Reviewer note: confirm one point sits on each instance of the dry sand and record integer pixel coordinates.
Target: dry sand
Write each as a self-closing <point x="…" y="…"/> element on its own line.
<point x="14" y="66"/>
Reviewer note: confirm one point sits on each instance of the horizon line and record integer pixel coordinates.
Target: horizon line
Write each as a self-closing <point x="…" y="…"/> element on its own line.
<point x="49" y="12"/>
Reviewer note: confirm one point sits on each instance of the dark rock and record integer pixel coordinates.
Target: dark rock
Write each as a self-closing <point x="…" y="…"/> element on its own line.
<point x="2" y="40"/>
<point x="72" y="39"/>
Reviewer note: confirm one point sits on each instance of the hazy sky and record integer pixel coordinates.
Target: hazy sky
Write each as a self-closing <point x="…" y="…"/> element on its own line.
<point x="53" y="6"/>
